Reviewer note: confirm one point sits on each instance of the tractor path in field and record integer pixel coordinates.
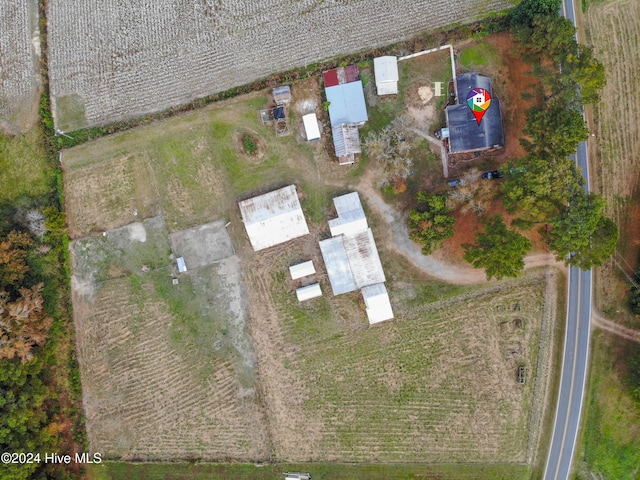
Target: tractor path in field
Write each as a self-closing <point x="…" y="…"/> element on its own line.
<point x="600" y="321"/>
<point x="436" y="267"/>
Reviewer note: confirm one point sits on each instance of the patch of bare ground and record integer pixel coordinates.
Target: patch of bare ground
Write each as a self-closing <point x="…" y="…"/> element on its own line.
<point x="613" y="30"/>
<point x="293" y="430"/>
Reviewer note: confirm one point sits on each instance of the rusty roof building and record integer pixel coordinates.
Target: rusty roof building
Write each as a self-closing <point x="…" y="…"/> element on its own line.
<point x="273" y="218"/>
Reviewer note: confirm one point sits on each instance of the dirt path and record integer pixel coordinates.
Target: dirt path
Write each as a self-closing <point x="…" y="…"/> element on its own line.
<point x="598" y="320"/>
<point x="438" y="268"/>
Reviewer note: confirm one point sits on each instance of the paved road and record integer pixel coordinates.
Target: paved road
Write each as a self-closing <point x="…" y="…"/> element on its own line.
<point x="576" y="346"/>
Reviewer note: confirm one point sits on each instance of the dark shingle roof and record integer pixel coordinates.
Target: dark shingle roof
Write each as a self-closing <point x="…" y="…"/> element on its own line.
<point x="465" y="135"/>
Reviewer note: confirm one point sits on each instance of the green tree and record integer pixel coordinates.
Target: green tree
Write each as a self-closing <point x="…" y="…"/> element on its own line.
<point x="548" y="37"/>
<point x="499" y="250"/>
<point x="556" y="127"/>
<point x="581" y="234"/>
<point x="580" y="77"/>
<point x="538" y="185"/>
<point x="430" y="223"/>
<point x="527" y="10"/>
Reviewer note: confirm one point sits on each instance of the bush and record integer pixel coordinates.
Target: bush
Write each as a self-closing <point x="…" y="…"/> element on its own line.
<point x="249" y="144"/>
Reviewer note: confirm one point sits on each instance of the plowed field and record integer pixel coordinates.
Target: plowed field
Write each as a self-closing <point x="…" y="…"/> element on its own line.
<point x="111" y="60"/>
<point x="614" y="30"/>
<point x="19" y="78"/>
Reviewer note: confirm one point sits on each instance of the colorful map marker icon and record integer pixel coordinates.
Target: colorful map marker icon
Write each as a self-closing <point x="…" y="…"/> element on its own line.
<point x="478" y="102"/>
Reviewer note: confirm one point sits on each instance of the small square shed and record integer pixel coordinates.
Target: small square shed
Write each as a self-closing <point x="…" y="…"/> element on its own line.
<point x="377" y="304"/>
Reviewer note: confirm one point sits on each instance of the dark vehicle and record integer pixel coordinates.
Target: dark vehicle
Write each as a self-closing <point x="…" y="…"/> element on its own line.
<point x="492" y="175"/>
<point x="458" y="182"/>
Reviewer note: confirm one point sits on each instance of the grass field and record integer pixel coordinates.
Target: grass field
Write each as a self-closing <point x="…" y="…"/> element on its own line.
<point x="431" y="386"/>
<point x="611" y="438"/>
<point x="437" y="384"/>
<point x="611" y="425"/>
<point x="24" y="172"/>
<point x="321" y="471"/>
<point x="171" y="363"/>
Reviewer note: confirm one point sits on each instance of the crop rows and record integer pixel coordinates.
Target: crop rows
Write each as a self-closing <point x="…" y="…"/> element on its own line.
<point x="124" y="59"/>
<point x="438" y="387"/>
<point x="616" y="34"/>
<point x="145" y="400"/>
<point x="18" y="76"/>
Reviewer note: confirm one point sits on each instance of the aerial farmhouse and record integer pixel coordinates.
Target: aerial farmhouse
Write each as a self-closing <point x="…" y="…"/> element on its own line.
<point x="465" y="135"/>
<point x="347" y="110"/>
<point x="273" y="218"/>
<point x="352" y="260"/>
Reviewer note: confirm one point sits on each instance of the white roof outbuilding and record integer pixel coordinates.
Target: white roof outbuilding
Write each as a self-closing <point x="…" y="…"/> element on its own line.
<point x="386" y="73"/>
<point x="311" y="127"/>
<point x="273" y="218"/>
<point x="309" y="292"/>
<point x="376" y="301"/>
<point x="351" y="219"/>
<point x="302" y="270"/>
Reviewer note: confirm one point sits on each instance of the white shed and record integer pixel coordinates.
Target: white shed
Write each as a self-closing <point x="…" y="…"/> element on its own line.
<point x="351" y="219"/>
<point x="182" y="267"/>
<point x="273" y="218"/>
<point x="386" y="73"/>
<point x="302" y="270"/>
<point x="311" y="127"/>
<point x="376" y="301"/>
<point x="309" y="292"/>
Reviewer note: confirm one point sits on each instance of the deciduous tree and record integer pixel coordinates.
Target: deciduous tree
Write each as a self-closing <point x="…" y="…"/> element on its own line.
<point x="430" y="223"/>
<point x="13" y="254"/>
<point x="556" y="127"/>
<point x="499" y="250"/>
<point x="581" y="234"/>
<point x="23" y="323"/>
<point x="538" y="185"/>
<point x="527" y="10"/>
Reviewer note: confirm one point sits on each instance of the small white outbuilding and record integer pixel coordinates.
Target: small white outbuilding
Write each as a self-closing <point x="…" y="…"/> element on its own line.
<point x="311" y="127"/>
<point x="386" y="73"/>
<point x="377" y="304"/>
<point x="309" y="292"/>
<point x="303" y="269"/>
